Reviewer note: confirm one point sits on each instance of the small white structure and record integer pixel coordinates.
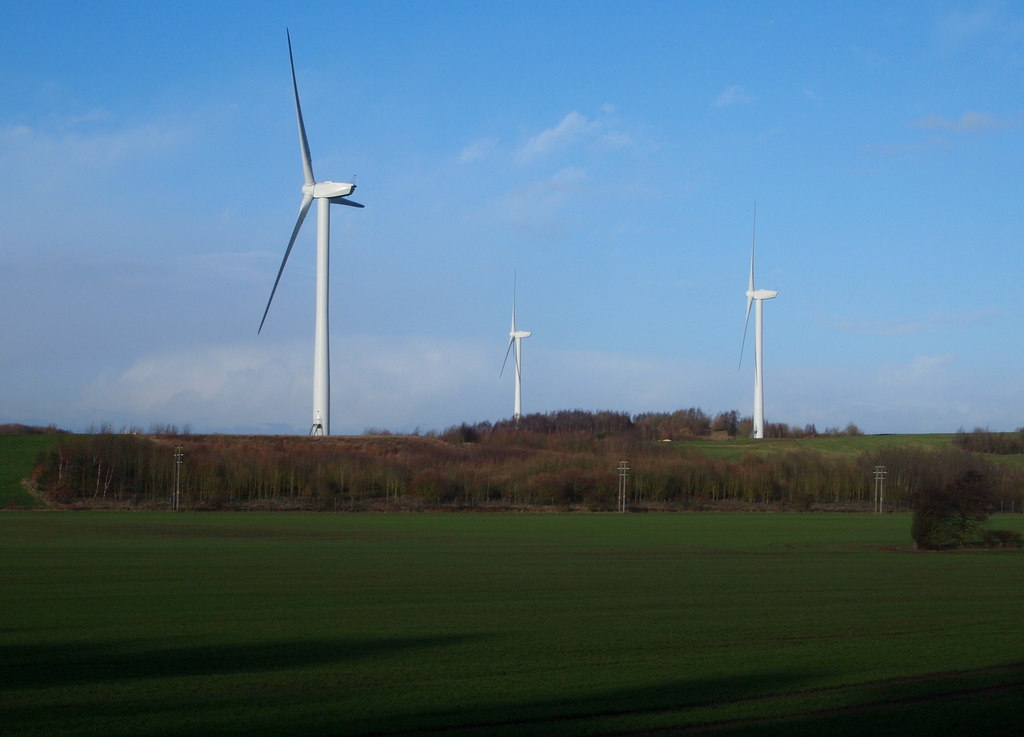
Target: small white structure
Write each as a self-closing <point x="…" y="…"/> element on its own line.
<point x="515" y="338"/>
<point x="326" y="193"/>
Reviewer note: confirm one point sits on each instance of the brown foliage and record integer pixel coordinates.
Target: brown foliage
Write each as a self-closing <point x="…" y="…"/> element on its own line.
<point x="566" y="460"/>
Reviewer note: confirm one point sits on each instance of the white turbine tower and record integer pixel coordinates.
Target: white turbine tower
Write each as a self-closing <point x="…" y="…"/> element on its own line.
<point x="515" y="340"/>
<point x="756" y="296"/>
<point x="325" y="193"/>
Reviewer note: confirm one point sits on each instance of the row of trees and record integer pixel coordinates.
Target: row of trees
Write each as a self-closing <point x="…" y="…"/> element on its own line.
<point x="985" y="441"/>
<point x="683" y="424"/>
<point x="500" y="467"/>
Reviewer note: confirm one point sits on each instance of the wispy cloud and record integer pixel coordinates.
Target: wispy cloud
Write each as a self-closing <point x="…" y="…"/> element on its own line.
<point x="572" y="129"/>
<point x="72" y="147"/>
<point x="942" y="131"/>
<point x="538" y="207"/>
<point x="908" y="326"/>
<point x="568" y="130"/>
<point x="969" y="122"/>
<point x="958" y="27"/>
<point x="990" y="29"/>
<point x="734" y="95"/>
<point x="901" y="149"/>
<point x="918" y="369"/>
<point x="477" y="150"/>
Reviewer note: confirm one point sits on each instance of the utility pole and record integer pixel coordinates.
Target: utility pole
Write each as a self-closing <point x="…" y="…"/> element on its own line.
<point x="177" y="477"/>
<point x="880" y="473"/>
<point x="623" y="475"/>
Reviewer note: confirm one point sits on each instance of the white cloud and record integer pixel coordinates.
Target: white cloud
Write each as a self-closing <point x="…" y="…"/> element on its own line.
<point x="406" y="382"/>
<point x="218" y="387"/>
<point x="734" y="95"/>
<point x="392" y="382"/>
<point x="928" y="393"/>
<point x="398" y="383"/>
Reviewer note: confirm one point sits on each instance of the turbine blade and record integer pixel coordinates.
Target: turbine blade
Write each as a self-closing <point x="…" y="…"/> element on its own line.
<point x="746" y="323"/>
<point x="513" y="301"/>
<point x="307" y="164"/>
<point x="506" y="357"/>
<point x="753" y="240"/>
<point x="750" y="287"/>
<point x="343" y="201"/>
<point x="303" y="209"/>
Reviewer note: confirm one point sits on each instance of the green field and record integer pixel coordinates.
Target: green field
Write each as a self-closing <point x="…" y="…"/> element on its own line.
<point x="263" y="624"/>
<point x="18" y="455"/>
<point x="827" y="445"/>
<point x="842" y="445"/>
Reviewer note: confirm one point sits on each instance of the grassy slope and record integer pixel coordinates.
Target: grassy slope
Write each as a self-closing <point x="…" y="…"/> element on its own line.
<point x="839" y="445"/>
<point x="18" y="455"/>
<point x="159" y="624"/>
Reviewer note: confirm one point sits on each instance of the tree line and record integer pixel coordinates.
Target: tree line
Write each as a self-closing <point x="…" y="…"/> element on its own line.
<point x="683" y="424"/>
<point x="985" y="441"/>
<point x="563" y="460"/>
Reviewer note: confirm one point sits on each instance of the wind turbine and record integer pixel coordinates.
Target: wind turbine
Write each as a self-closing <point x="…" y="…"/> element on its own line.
<point x="326" y="193"/>
<point x="756" y="296"/>
<point x="515" y="340"/>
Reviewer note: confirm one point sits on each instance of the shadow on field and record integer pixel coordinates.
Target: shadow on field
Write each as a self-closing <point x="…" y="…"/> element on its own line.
<point x="620" y="711"/>
<point x="985" y="701"/>
<point x="34" y="666"/>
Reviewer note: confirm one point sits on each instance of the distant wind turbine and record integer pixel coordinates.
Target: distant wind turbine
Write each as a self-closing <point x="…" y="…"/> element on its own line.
<point x="325" y="193"/>
<point x="515" y="338"/>
<point x="757" y="296"/>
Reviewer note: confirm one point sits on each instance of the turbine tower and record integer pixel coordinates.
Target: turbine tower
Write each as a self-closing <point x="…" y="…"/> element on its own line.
<point x="515" y="338"/>
<point x="756" y="296"/>
<point x="326" y="193"/>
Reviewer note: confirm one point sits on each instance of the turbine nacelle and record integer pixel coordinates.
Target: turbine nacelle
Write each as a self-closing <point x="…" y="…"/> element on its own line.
<point x="760" y="294"/>
<point x="520" y="334"/>
<point x="328" y="190"/>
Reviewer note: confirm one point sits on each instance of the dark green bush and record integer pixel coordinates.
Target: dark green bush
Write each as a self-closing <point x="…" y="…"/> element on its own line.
<point x="953" y="514"/>
<point x="1002" y="539"/>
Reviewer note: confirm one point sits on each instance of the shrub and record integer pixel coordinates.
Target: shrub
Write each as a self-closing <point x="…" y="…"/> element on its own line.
<point x="1002" y="539"/>
<point x="948" y="516"/>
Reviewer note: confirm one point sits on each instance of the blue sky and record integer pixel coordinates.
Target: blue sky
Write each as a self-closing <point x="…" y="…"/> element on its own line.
<point x="607" y="153"/>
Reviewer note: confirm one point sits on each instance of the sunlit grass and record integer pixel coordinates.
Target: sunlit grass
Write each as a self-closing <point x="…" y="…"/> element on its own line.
<point x="840" y="445"/>
<point x="18" y="455"/>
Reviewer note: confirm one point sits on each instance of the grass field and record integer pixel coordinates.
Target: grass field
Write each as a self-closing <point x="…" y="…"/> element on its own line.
<point x="18" y="455"/>
<point x="306" y="624"/>
<point x="839" y="445"/>
<point x="842" y="445"/>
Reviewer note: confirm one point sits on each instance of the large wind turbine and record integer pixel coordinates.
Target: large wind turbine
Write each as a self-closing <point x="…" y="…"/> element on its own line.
<point x="325" y="193"/>
<point x="515" y="340"/>
<point x="756" y="296"/>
